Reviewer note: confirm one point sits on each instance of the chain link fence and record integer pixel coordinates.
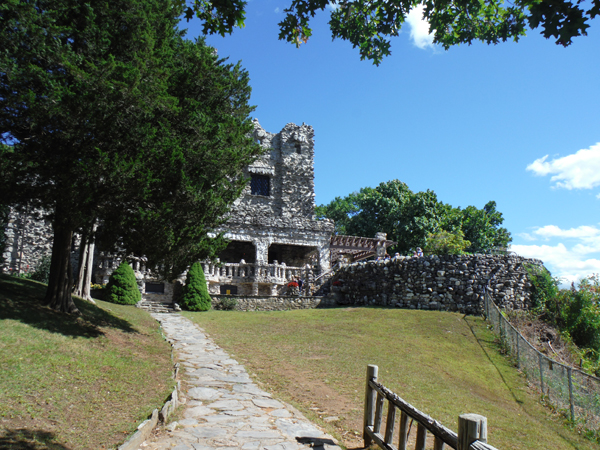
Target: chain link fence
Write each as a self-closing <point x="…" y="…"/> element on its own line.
<point x="570" y="390"/>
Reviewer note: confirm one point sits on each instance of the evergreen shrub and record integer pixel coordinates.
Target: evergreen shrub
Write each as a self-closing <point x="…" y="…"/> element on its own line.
<point x="122" y="286"/>
<point x="195" y="293"/>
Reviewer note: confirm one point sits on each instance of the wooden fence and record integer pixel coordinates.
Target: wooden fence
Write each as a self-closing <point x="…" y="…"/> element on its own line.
<point x="472" y="428"/>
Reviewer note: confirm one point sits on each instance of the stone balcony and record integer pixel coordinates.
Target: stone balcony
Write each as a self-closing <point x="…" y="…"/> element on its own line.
<point x="254" y="273"/>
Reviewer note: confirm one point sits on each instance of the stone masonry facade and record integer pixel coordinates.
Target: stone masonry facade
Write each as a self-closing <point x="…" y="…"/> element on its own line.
<point x="272" y="227"/>
<point x="28" y="239"/>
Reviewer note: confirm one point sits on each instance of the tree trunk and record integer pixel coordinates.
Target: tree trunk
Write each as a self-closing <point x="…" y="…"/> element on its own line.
<point x="83" y="249"/>
<point x="58" y="294"/>
<point x="86" y="260"/>
<point x="88" y="267"/>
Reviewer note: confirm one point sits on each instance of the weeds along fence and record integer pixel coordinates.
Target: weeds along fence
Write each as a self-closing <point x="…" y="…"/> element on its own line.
<point x="472" y="428"/>
<point x="573" y="392"/>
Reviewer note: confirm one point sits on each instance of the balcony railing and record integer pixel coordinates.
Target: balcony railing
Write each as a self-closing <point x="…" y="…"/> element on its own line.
<point x="250" y="272"/>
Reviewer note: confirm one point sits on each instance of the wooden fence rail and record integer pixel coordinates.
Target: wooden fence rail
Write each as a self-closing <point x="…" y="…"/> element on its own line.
<point x="472" y="428"/>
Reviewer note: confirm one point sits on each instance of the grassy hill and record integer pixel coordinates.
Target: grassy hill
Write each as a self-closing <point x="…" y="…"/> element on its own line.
<point x="445" y="364"/>
<point x="75" y="382"/>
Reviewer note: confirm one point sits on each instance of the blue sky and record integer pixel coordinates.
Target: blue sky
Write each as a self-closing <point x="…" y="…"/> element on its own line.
<point x="518" y="123"/>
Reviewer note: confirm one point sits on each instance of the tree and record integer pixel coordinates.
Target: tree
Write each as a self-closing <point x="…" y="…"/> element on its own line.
<point x="446" y="243"/>
<point x="122" y="286"/>
<point x="482" y="228"/>
<point x="411" y="218"/>
<point x="195" y="292"/>
<point x="109" y="115"/>
<point x="368" y="25"/>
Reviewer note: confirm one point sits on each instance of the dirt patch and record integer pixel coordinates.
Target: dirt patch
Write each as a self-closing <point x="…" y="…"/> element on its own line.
<point x="545" y="338"/>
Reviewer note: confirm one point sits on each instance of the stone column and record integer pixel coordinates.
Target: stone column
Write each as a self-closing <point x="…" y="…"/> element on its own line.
<point x="324" y="258"/>
<point x="262" y="252"/>
<point x="381" y="248"/>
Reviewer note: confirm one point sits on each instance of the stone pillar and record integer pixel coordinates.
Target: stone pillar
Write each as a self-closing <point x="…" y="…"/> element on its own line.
<point x="324" y="258"/>
<point x="381" y="248"/>
<point x="255" y="289"/>
<point x="262" y="252"/>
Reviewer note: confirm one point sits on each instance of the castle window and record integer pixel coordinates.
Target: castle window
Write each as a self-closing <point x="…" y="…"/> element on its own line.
<point x="260" y="185"/>
<point x="298" y="148"/>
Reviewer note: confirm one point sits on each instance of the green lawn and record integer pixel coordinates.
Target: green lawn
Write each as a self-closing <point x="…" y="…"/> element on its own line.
<point x="76" y="383"/>
<point x="445" y="364"/>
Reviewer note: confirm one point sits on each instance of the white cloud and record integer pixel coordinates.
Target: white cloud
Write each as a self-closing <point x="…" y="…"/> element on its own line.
<point x="527" y="237"/>
<point x="580" y="170"/>
<point x="333" y="6"/>
<point x="419" y="28"/>
<point x="567" y="262"/>
<point x="276" y="10"/>
<point x="581" y="232"/>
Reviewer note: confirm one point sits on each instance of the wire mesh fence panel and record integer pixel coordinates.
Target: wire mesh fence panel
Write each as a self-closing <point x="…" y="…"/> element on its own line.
<point x="574" y="393"/>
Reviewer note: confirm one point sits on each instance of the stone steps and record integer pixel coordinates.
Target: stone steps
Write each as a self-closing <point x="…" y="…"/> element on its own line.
<point x="156" y="307"/>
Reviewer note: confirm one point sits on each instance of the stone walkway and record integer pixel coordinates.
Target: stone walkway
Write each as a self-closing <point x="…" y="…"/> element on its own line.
<point x="224" y="409"/>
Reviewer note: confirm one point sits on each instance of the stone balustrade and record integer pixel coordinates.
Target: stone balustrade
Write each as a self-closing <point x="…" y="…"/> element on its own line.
<point x="250" y="272"/>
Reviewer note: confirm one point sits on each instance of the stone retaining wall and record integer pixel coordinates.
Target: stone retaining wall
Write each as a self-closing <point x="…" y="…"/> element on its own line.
<point x="274" y="303"/>
<point x="451" y="282"/>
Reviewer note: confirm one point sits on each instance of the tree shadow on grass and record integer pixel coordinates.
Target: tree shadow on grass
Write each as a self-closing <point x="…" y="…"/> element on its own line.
<point x="21" y="300"/>
<point x="24" y="439"/>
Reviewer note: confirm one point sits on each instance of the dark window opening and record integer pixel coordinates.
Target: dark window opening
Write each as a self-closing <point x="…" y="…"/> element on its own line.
<point x="298" y="148"/>
<point x="260" y="185"/>
<point x="228" y="289"/>
<point x="155" y="288"/>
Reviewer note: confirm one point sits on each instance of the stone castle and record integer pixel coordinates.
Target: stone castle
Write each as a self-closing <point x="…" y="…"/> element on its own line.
<point x="274" y="235"/>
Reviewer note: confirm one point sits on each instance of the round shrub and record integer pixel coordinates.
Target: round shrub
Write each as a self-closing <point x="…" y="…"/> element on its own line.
<point x="195" y="293"/>
<point x="122" y="286"/>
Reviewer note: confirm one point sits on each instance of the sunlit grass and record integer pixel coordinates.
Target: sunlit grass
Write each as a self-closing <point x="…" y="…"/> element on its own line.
<point x="80" y="383"/>
<point x="443" y="363"/>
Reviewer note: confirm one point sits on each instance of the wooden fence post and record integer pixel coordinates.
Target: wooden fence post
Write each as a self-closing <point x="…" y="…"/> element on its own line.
<point x="471" y="428"/>
<point x="369" y="403"/>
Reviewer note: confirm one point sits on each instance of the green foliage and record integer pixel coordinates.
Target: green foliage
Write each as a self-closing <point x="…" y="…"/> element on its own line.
<point x="195" y="292"/>
<point x="575" y="312"/>
<point x="482" y="228"/>
<point x="368" y="24"/>
<point x="122" y="286"/>
<point x="446" y="243"/>
<point x="109" y="114"/>
<point x="582" y="315"/>
<point x="409" y="218"/>
<point x="41" y="272"/>
<point x="228" y="304"/>
<point x="544" y="293"/>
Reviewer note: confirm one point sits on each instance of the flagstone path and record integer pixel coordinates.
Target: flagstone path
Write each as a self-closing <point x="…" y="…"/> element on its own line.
<point x="224" y="409"/>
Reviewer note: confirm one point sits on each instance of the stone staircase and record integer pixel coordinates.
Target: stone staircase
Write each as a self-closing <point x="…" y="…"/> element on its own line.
<point x="157" y="307"/>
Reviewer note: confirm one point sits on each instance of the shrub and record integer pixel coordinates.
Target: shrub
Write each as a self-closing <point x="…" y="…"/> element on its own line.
<point x="122" y="286"/>
<point x="544" y="293"/>
<point x="41" y="272"/>
<point x="582" y="316"/>
<point x="195" y="293"/>
<point x="228" y="304"/>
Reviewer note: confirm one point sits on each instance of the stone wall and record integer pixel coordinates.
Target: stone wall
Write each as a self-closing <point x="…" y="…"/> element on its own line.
<point x="451" y="283"/>
<point x="29" y="238"/>
<point x="274" y="303"/>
